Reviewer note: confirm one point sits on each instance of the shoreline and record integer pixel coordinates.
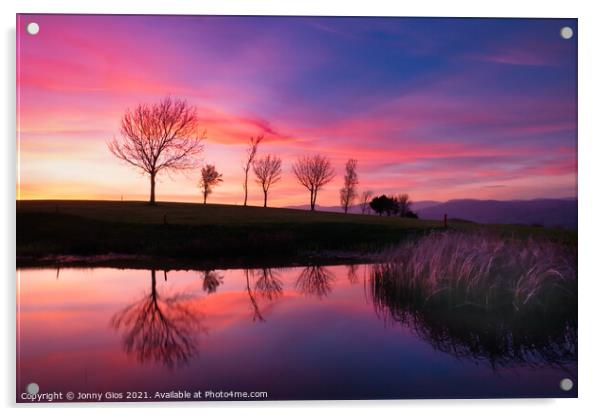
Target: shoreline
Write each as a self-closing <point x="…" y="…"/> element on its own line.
<point x="129" y="261"/>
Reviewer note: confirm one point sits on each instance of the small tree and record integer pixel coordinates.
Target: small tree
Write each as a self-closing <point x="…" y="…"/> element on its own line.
<point x="159" y="137"/>
<point x="210" y="177"/>
<point x="248" y="162"/>
<point x="268" y="171"/>
<point x="348" y="192"/>
<point x="384" y="204"/>
<point x="403" y="204"/>
<point x="313" y="172"/>
<point x="378" y="204"/>
<point x="365" y="201"/>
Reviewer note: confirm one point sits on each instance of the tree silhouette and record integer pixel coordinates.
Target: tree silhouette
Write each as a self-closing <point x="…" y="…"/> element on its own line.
<point x="159" y="137"/>
<point x="268" y="171"/>
<point x="384" y="204"/>
<point x="315" y="280"/>
<point x="348" y="192"/>
<point x="365" y="201"/>
<point x="313" y="172"/>
<point x="210" y="177"/>
<point x="159" y="329"/>
<point x="248" y="162"/>
<point x="403" y="204"/>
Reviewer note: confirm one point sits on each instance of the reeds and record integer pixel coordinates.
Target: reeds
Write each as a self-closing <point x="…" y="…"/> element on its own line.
<point x="483" y="296"/>
<point x="480" y="270"/>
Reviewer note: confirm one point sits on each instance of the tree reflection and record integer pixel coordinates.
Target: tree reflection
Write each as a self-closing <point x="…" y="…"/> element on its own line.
<point x="257" y="316"/>
<point x="268" y="284"/>
<point x="159" y="329"/>
<point x="352" y="273"/>
<point x="315" y="281"/>
<point x="211" y="281"/>
<point x="500" y="337"/>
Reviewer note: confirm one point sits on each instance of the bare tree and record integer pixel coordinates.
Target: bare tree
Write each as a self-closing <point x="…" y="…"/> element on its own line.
<point x="403" y="204"/>
<point x="210" y="177"/>
<point x="248" y="162"/>
<point x="268" y="171"/>
<point x="348" y="192"/>
<point x="365" y="201"/>
<point x="313" y="172"/>
<point x="159" y="137"/>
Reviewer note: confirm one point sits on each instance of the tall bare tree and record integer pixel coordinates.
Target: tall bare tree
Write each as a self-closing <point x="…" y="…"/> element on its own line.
<point x="159" y="137"/>
<point x="348" y="192"/>
<point x="248" y="162"/>
<point x="268" y="171"/>
<point x="365" y="199"/>
<point x="313" y="172"/>
<point x="210" y="177"/>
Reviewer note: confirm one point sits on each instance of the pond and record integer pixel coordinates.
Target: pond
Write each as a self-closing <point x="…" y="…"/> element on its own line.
<point x="315" y="332"/>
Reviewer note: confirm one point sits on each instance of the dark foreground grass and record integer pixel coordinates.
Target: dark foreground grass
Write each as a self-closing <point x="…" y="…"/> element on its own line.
<point x="215" y="232"/>
<point x="194" y="231"/>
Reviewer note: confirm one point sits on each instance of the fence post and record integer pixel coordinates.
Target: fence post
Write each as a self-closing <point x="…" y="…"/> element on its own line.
<point x="164" y="219"/>
<point x="444" y="220"/>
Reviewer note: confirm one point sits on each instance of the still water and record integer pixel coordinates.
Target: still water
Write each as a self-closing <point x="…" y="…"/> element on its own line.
<point x="293" y="333"/>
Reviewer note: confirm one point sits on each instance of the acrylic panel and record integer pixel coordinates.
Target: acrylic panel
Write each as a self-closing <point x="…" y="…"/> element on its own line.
<point x="295" y="208"/>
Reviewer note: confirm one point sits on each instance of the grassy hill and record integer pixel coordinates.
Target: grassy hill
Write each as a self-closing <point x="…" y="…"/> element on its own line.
<point x="205" y="232"/>
<point x="198" y="214"/>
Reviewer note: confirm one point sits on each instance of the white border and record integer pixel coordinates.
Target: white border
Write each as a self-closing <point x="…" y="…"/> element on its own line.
<point x="590" y="202"/>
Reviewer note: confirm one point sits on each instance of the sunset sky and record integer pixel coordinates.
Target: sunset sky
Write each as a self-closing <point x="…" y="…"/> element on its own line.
<point x="438" y="108"/>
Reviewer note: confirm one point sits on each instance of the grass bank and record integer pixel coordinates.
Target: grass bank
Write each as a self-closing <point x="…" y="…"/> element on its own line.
<point x="212" y="232"/>
<point x="196" y="231"/>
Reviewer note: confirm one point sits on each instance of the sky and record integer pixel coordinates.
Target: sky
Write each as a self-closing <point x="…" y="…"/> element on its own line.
<point x="437" y="108"/>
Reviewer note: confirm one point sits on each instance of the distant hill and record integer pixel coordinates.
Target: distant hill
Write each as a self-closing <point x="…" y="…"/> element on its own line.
<point x="545" y="212"/>
<point x="560" y="212"/>
<point x="419" y="205"/>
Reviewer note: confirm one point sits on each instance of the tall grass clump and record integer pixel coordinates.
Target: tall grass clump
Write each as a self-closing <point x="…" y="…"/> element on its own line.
<point x="483" y="296"/>
<point x="480" y="270"/>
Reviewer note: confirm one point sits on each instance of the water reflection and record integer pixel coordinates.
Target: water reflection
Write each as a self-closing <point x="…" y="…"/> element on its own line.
<point x="502" y="339"/>
<point x="315" y="281"/>
<point x="211" y="280"/>
<point x="257" y="316"/>
<point x="165" y="329"/>
<point x="160" y="329"/>
<point x="352" y="270"/>
<point x="297" y="320"/>
<point x="268" y="283"/>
